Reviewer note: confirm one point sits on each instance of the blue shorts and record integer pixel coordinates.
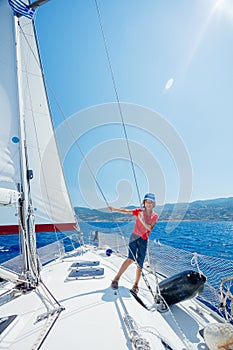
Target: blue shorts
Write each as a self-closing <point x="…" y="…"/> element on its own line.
<point x="137" y="249"/>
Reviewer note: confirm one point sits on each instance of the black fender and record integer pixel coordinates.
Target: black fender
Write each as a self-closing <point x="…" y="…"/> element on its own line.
<point x="182" y="286"/>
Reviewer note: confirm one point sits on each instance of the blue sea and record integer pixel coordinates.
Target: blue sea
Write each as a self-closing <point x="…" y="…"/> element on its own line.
<point x="207" y="238"/>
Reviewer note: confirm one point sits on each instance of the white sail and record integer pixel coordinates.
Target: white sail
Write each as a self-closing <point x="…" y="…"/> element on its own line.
<point x="9" y="115"/>
<point x="51" y="202"/>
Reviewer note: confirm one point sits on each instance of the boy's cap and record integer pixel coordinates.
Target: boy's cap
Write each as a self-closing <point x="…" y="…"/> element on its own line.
<point x="149" y="196"/>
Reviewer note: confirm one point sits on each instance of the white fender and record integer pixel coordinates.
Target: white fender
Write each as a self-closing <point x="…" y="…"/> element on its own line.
<point x="219" y="336"/>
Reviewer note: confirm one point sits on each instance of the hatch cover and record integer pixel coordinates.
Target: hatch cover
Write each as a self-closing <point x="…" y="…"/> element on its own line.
<point x="83" y="273"/>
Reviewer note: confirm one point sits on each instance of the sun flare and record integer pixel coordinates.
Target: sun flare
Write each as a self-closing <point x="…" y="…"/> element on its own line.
<point x="219" y="3"/>
<point x="225" y="6"/>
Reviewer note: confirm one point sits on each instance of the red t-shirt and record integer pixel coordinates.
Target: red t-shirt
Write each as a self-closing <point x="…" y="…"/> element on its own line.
<point x="139" y="228"/>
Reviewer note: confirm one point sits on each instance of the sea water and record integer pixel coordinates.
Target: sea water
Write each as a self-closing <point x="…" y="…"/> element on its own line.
<point x="207" y="238"/>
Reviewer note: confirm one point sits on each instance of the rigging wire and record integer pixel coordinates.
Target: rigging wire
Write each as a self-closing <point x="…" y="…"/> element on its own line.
<point x="117" y="99"/>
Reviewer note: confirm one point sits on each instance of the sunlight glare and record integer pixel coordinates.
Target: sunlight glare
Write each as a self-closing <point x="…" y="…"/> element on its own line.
<point x="222" y="7"/>
<point x="219" y="3"/>
<point x="226" y="6"/>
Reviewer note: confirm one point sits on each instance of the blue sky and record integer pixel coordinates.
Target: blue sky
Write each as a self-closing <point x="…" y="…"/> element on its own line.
<point x="172" y="68"/>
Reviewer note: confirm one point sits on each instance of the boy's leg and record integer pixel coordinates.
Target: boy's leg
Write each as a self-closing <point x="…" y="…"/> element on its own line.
<point x="138" y="275"/>
<point x="141" y="254"/>
<point x="123" y="267"/>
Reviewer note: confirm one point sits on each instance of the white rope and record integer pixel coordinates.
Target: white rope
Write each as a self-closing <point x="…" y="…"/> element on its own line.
<point x="227" y="283"/>
<point x="194" y="262"/>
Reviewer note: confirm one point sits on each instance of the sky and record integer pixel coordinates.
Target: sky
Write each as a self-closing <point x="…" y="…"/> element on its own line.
<point x="145" y="90"/>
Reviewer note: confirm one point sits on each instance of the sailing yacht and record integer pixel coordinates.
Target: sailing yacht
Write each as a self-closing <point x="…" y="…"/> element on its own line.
<point x="54" y="299"/>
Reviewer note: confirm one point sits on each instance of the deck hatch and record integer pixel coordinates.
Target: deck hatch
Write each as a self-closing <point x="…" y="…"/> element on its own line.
<point x="85" y="263"/>
<point x="88" y="272"/>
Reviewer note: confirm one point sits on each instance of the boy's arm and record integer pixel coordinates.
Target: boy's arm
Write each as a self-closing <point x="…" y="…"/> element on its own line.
<point x="149" y="227"/>
<point x="120" y="210"/>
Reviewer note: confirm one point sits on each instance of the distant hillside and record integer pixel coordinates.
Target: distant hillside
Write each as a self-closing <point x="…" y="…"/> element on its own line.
<point x="220" y="209"/>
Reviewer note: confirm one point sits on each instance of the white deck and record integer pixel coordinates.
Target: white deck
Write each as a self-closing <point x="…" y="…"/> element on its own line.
<point x="94" y="314"/>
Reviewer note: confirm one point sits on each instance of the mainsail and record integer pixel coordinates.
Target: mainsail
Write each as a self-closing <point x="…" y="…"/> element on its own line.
<point x="26" y="128"/>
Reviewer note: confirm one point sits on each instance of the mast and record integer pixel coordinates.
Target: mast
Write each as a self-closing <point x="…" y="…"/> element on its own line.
<point x="31" y="266"/>
<point x="26" y="215"/>
<point x="31" y="269"/>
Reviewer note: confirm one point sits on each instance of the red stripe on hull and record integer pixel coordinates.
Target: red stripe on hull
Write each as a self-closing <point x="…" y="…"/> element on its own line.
<point x="14" y="229"/>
